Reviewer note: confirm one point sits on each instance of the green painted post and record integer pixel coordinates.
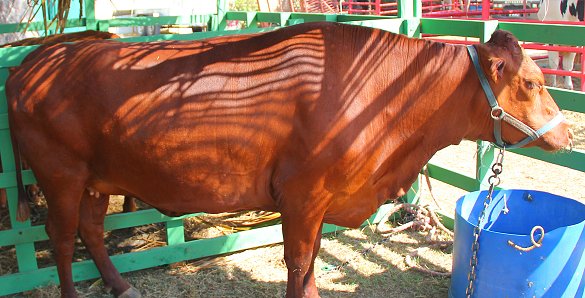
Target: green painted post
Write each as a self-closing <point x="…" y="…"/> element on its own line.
<point x="488" y="28"/>
<point x="485" y="150"/>
<point x="410" y="11"/>
<point x="484" y="162"/>
<point x="412" y="196"/>
<point x="90" y="21"/>
<point x="219" y="22"/>
<point x="175" y="232"/>
<point x="251" y="20"/>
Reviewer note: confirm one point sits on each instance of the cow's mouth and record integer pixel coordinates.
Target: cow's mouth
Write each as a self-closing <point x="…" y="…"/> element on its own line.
<point x="558" y="142"/>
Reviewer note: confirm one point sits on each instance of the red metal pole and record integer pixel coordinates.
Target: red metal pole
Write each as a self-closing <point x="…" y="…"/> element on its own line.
<point x="485" y="9"/>
<point x="582" y="69"/>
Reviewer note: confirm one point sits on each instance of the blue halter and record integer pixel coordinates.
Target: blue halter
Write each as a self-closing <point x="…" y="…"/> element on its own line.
<point x="498" y="114"/>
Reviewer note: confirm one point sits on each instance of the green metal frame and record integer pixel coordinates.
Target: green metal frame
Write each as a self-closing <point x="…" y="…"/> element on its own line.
<point x="23" y="235"/>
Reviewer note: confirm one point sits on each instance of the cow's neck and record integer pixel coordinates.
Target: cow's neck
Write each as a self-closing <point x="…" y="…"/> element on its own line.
<point x="450" y="107"/>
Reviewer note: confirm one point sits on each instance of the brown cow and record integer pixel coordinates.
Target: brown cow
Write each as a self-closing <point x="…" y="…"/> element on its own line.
<point x="322" y="122"/>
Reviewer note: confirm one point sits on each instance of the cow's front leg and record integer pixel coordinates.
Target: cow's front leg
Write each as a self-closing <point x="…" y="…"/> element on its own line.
<point x="302" y="238"/>
<point x="568" y="63"/>
<point x="91" y="231"/>
<point x="309" y="284"/>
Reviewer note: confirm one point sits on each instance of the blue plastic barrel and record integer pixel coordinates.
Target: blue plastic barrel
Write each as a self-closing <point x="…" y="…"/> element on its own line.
<point x="555" y="269"/>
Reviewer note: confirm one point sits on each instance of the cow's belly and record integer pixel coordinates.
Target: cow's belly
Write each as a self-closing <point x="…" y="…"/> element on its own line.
<point x="179" y="193"/>
<point x="352" y="210"/>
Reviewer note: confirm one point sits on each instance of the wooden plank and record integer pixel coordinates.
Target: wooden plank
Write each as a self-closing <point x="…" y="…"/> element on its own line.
<point x="469" y="28"/>
<point x="273" y="17"/>
<point x="568" y="99"/>
<point x="314" y="17"/>
<point x="240" y="15"/>
<point x="13" y="56"/>
<point x="447" y="219"/>
<point x="392" y="25"/>
<point x="3" y="121"/>
<point x="453" y="178"/>
<point x="39" y="26"/>
<point x="574" y="160"/>
<point x="3" y="102"/>
<point x="148" y="21"/>
<point x="546" y="33"/>
<point x="195" y="36"/>
<point x="112" y="222"/>
<point x="8" y="177"/>
<point x="343" y="18"/>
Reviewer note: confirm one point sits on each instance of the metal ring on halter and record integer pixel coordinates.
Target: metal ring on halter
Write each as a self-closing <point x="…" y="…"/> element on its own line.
<point x="499" y="115"/>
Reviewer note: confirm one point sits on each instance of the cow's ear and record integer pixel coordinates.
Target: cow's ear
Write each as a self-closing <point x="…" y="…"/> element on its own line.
<point x="497" y="68"/>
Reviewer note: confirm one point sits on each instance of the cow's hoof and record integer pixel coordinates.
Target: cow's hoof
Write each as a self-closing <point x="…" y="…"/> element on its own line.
<point x="132" y="292"/>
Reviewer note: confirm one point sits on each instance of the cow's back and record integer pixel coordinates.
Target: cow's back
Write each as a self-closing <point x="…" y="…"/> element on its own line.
<point x="206" y="118"/>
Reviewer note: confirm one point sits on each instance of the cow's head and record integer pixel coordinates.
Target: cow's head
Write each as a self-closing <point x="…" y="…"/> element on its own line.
<point x="518" y="85"/>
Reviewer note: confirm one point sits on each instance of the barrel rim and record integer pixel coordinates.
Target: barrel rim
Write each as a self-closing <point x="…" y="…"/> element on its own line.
<point x="478" y="193"/>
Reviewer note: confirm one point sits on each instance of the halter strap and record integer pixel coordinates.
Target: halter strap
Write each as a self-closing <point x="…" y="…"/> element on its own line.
<point x="498" y="113"/>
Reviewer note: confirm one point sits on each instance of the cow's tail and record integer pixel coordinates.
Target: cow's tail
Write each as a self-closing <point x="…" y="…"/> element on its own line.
<point x="23" y="209"/>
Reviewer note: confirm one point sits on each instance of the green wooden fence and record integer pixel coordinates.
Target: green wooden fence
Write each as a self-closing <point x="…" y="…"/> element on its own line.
<point x="23" y="235"/>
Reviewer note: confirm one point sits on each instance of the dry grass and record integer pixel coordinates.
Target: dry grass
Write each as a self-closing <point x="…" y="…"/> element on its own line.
<point x="261" y="272"/>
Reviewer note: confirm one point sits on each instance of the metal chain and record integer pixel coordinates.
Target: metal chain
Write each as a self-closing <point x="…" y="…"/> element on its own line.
<point x="493" y="180"/>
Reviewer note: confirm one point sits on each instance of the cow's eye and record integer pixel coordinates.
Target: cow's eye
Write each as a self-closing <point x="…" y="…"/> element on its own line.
<point x="530" y="85"/>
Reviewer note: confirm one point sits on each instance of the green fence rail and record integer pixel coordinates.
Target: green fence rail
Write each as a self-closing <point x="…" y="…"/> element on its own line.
<point x="23" y="235"/>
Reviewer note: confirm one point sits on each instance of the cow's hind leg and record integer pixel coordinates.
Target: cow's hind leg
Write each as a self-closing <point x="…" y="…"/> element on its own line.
<point x="63" y="197"/>
<point x="3" y="198"/>
<point x="302" y="236"/>
<point x="129" y="204"/>
<point x="91" y="231"/>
